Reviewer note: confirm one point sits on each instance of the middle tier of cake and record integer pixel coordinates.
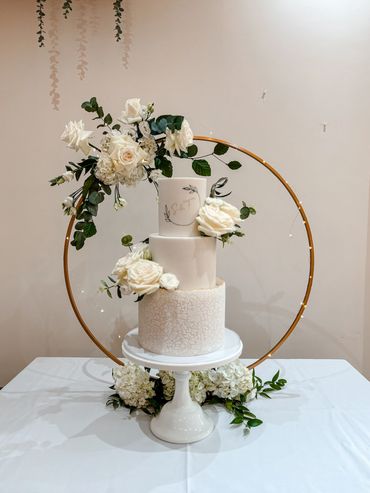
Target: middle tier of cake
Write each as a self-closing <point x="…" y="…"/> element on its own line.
<point x="192" y="259"/>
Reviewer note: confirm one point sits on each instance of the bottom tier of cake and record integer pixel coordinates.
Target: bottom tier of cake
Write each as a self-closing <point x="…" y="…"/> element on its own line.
<point x="183" y="323"/>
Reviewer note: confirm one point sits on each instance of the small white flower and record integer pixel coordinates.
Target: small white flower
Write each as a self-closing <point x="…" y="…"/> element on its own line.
<point x="179" y="140"/>
<point x="169" y="281"/>
<point x="68" y="202"/>
<point x="119" y="203"/>
<point x="217" y="217"/>
<point x="68" y="176"/>
<point x="76" y="137"/>
<point x="155" y="174"/>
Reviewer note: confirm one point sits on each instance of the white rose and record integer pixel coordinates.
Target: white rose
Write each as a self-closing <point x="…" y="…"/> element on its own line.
<point x="179" y="140"/>
<point x="169" y="281"/>
<point x="68" y="176"/>
<point x="76" y="137"/>
<point x="143" y="276"/>
<point x="217" y="218"/>
<point x="133" y="111"/>
<point x="121" y="270"/>
<point x="124" y="150"/>
<point x="121" y="162"/>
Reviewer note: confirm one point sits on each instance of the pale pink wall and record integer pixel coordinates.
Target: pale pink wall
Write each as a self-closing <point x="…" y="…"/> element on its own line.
<point x="210" y="60"/>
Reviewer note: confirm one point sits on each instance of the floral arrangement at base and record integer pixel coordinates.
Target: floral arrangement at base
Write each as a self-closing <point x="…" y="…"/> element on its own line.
<point x="231" y="385"/>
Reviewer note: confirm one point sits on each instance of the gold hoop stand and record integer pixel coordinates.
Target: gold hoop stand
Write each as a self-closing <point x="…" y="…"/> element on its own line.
<point x="302" y="307"/>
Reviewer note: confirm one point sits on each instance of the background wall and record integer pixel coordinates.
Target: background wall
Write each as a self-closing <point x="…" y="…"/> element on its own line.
<point x="266" y="75"/>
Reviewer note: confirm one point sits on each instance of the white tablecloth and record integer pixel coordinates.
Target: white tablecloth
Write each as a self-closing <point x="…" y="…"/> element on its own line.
<point x="56" y="435"/>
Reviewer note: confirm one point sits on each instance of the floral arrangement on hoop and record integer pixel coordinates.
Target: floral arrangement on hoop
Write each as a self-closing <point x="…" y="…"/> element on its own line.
<point x="232" y="386"/>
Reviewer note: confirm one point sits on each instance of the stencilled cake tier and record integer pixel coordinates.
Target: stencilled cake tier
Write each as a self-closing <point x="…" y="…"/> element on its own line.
<point x="183" y="323"/>
<point x="179" y="202"/>
<point x="191" y="259"/>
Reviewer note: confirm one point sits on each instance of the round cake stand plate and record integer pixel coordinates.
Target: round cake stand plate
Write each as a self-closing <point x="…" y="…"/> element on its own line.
<point x="182" y="420"/>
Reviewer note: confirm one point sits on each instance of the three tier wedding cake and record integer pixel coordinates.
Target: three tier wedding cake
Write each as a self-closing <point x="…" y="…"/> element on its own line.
<point x="191" y="319"/>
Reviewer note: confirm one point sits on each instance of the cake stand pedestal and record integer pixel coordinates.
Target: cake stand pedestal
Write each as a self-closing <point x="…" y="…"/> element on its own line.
<point x="182" y="420"/>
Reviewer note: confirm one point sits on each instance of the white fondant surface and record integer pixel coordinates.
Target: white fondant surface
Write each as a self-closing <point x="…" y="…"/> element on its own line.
<point x="191" y="259"/>
<point x="179" y="202"/>
<point x="183" y="323"/>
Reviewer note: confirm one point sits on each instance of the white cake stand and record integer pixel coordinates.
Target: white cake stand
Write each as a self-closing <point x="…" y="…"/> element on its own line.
<point x="182" y="420"/>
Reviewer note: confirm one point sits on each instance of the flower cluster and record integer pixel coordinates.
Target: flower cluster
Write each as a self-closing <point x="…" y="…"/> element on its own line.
<point x="137" y="273"/>
<point x="133" y="385"/>
<point x="228" y="382"/>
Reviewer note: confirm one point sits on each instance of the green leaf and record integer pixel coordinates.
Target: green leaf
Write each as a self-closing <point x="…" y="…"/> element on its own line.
<point x="265" y="395"/>
<point x="80" y="225"/>
<point x="126" y="240"/>
<point x="93" y="209"/>
<point x="201" y="167"/>
<point x="88" y="183"/>
<point x="220" y="149"/>
<point x="108" y="119"/>
<point x="107" y="189"/>
<point x="229" y="405"/>
<point x="87" y="107"/>
<point x="117" y="126"/>
<point x="96" y="197"/>
<point x="89" y="229"/>
<point x="237" y="421"/>
<point x="165" y="166"/>
<point x="254" y="422"/>
<point x="276" y="376"/>
<point x="177" y="123"/>
<point x="244" y="212"/>
<point x="192" y="150"/>
<point x="234" y="165"/>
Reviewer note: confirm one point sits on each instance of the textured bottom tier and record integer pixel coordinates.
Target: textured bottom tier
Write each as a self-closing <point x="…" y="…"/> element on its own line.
<point x="183" y="323"/>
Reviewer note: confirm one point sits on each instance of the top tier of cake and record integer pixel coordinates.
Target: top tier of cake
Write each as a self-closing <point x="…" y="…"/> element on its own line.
<point x="179" y="202"/>
<point x="179" y="248"/>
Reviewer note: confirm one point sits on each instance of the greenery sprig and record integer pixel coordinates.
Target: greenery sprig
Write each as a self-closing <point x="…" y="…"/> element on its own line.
<point x="237" y="407"/>
<point x="67" y="8"/>
<point x="118" y="10"/>
<point x="40" y="10"/>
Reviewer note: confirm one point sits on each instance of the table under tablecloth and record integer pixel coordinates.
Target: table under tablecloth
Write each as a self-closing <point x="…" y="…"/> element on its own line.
<point x="57" y="435"/>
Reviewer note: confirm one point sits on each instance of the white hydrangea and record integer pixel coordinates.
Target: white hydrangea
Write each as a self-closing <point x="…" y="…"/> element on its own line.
<point x="229" y="381"/>
<point x="133" y="385"/>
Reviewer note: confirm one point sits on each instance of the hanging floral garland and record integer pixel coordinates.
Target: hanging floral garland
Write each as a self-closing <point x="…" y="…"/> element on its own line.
<point x="67" y="9"/>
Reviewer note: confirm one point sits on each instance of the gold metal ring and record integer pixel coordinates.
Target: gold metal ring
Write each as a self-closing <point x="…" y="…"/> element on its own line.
<point x="310" y="275"/>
